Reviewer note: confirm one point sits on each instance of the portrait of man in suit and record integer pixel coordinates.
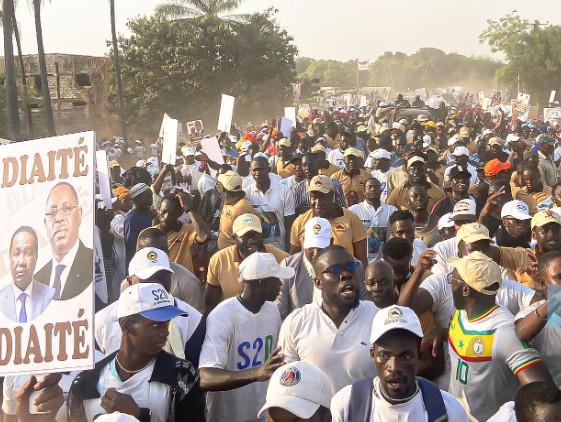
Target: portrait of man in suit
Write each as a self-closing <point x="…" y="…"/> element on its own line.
<point x="25" y="298"/>
<point x="70" y="270"/>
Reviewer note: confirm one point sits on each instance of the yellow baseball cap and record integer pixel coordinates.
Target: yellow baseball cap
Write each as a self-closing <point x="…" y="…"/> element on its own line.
<point x="321" y="183"/>
<point x="318" y="147"/>
<point x="231" y="181"/>
<point x="478" y="271"/>
<point x="472" y="232"/>
<point x="284" y="142"/>
<point x="545" y="217"/>
<point x="415" y="159"/>
<point x="246" y="223"/>
<point x="354" y="152"/>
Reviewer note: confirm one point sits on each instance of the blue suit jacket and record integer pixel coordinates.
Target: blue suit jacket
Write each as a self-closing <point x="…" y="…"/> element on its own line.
<point x="41" y="295"/>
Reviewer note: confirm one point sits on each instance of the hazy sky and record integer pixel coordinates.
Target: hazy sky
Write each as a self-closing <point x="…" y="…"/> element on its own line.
<point x="322" y="29"/>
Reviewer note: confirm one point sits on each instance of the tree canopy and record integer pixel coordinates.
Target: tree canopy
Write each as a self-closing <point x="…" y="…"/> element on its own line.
<point x="532" y="53"/>
<point x="181" y="67"/>
<point x="427" y="68"/>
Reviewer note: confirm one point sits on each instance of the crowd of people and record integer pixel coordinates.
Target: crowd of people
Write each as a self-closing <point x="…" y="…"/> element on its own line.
<point x="367" y="267"/>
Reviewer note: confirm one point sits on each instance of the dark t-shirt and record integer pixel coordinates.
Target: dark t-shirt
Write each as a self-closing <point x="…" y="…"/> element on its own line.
<point x="135" y="222"/>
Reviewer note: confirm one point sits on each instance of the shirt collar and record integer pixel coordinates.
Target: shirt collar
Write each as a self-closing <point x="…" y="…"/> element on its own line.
<point x="68" y="259"/>
<point x="27" y="291"/>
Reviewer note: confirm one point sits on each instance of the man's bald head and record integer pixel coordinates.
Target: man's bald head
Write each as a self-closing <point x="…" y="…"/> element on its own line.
<point x="379" y="266"/>
<point x="379" y="283"/>
<point x="152" y="238"/>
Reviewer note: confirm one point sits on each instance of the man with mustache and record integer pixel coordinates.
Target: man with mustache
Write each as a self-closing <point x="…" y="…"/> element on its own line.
<point x="332" y="332"/>
<point x="396" y="393"/>
<point x="70" y="270"/>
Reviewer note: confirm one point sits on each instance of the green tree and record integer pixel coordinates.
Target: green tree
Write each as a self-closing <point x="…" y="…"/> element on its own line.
<point x="181" y="67"/>
<point x="532" y="53"/>
<point x="12" y="108"/>
<point x="184" y="9"/>
<point x="43" y="68"/>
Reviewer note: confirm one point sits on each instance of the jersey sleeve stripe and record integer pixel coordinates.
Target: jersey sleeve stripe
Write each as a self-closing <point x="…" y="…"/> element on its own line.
<point x="525" y="365"/>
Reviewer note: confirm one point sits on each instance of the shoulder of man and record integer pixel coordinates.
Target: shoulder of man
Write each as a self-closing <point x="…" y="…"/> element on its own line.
<point x="178" y="373"/>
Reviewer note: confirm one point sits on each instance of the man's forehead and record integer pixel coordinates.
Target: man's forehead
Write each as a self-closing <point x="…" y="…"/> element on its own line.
<point x="62" y="192"/>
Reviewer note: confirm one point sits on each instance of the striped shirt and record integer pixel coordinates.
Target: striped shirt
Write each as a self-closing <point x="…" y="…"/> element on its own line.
<point x="302" y="196"/>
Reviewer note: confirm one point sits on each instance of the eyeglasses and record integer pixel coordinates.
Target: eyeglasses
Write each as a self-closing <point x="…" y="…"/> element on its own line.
<point x="64" y="211"/>
<point x="337" y="269"/>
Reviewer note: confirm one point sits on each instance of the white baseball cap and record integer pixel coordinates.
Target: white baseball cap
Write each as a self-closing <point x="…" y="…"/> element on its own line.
<point x="246" y="145"/>
<point x="150" y="300"/>
<point x="445" y="221"/>
<point x="460" y="151"/>
<point x="453" y="140"/>
<point x="463" y="208"/>
<point x="511" y="137"/>
<point x="427" y="141"/>
<point x="317" y="233"/>
<point x="148" y="261"/>
<point x="516" y="209"/>
<point x="380" y="153"/>
<point x="261" y="265"/>
<point x="395" y="317"/>
<point x="299" y="388"/>
<point x="188" y="151"/>
<point x="115" y="417"/>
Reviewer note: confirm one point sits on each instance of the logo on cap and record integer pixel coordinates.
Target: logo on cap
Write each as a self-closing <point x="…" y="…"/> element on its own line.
<point x="395" y="313"/>
<point x="290" y="377"/>
<point x="316" y="228"/>
<point x="248" y="220"/>
<point x="520" y="207"/>
<point x="152" y="256"/>
<point x="317" y="182"/>
<point x="478" y="347"/>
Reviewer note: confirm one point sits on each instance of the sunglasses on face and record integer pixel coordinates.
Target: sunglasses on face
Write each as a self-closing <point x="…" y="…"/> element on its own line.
<point x="338" y="268"/>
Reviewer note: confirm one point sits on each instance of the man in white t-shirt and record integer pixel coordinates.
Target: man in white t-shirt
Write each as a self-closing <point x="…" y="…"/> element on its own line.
<point x="151" y="265"/>
<point x="272" y="202"/>
<point x="239" y="354"/>
<point x="332" y="332"/>
<point x="396" y="393"/>
<point x="485" y="354"/>
<point x="375" y="215"/>
<point x="380" y="159"/>
<point x="140" y="379"/>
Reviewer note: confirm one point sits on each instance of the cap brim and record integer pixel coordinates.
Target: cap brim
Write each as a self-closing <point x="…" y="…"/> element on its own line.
<point x="298" y="406"/>
<point x="285" y="272"/>
<point x="519" y="216"/>
<point x="165" y="313"/>
<point x="320" y="189"/>
<point x="245" y="230"/>
<point x="464" y="217"/>
<point x="150" y="271"/>
<point x="374" y="339"/>
<point x="462" y="173"/>
<point x="316" y="243"/>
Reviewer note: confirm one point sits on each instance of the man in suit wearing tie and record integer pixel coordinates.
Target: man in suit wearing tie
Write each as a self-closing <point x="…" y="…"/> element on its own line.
<point x="25" y="299"/>
<point x="71" y="269"/>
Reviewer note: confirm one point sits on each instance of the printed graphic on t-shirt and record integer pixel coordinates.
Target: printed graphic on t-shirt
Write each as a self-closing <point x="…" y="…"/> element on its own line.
<point x="376" y="239"/>
<point x="270" y="226"/>
<point x="250" y="352"/>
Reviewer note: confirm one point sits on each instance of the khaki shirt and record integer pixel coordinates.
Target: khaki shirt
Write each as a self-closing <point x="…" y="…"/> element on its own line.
<point x="223" y="269"/>
<point x="519" y="261"/>
<point x="353" y="183"/>
<point x="396" y="177"/>
<point x="330" y="170"/>
<point x="398" y="197"/>
<point x="533" y="199"/>
<point x="347" y="230"/>
<point x="180" y="246"/>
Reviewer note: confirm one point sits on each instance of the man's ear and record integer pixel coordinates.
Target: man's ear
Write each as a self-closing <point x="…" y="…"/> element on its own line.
<point x="317" y="283"/>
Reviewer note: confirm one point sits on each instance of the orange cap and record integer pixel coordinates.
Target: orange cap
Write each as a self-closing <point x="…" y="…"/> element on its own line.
<point x="494" y="166"/>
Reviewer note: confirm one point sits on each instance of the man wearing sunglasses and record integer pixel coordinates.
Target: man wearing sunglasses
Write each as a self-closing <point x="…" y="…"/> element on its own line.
<point x="332" y="332"/>
<point x="70" y="270"/>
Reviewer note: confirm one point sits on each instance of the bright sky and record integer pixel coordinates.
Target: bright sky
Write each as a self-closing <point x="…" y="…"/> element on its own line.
<point x="322" y="29"/>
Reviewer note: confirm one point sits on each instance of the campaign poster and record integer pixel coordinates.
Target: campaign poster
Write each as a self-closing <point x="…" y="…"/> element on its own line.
<point x="363" y="64"/>
<point x="553" y="113"/>
<point x="522" y="106"/>
<point x="47" y="265"/>
<point x="375" y="242"/>
<point x="195" y="129"/>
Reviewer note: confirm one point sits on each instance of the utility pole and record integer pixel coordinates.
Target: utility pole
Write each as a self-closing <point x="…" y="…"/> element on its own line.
<point x="537" y="25"/>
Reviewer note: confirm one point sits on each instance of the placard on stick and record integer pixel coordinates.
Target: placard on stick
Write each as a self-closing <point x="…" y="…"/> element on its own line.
<point x="47" y="184"/>
<point x="169" y="146"/>
<point x="226" y="113"/>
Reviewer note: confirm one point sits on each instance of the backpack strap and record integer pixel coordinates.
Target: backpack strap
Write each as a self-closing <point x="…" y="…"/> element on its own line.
<point x="361" y="400"/>
<point x="434" y="403"/>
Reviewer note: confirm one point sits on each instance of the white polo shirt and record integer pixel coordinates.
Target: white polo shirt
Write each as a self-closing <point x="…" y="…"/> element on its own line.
<point x="343" y="353"/>
<point x="279" y="200"/>
<point x="444" y="250"/>
<point x="377" y="225"/>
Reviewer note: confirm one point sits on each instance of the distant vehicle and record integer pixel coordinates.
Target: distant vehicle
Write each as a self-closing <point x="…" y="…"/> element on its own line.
<point x="410" y="113"/>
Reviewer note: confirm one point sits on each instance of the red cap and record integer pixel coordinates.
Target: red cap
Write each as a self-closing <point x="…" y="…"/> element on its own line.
<point x="494" y="166"/>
